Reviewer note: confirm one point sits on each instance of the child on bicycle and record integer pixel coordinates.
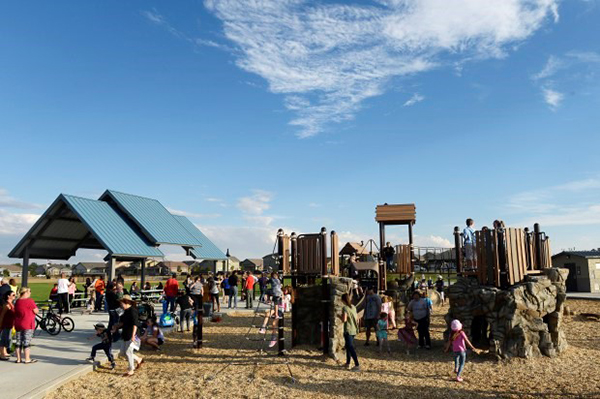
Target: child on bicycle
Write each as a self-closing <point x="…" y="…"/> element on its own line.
<point x="105" y="345"/>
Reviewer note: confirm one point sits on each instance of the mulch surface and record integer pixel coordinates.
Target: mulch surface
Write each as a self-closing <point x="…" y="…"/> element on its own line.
<point x="179" y="371"/>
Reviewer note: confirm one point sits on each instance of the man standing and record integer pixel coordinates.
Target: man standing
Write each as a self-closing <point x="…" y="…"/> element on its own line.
<point x="388" y="253"/>
<point x="250" y="280"/>
<point x="469" y="243"/>
<point x="233" y="289"/>
<point x="171" y="290"/>
<point x="372" y="312"/>
<point x="99" y="288"/>
<point x="63" y="294"/>
<point x="262" y="282"/>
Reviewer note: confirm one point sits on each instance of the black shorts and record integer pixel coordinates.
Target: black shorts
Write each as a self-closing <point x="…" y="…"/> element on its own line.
<point x="371" y="323"/>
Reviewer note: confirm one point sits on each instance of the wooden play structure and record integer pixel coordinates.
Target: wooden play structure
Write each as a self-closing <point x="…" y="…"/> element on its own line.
<point x="399" y="214"/>
<point x="504" y="256"/>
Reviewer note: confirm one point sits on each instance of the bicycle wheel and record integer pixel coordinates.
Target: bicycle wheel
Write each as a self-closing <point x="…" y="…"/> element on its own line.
<point x="52" y="325"/>
<point x="68" y="324"/>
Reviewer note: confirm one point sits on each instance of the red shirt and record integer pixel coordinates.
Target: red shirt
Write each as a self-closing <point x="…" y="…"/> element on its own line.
<point x="24" y="316"/>
<point x="8" y="316"/>
<point x="250" y="282"/>
<point x="100" y="287"/>
<point x="171" y="287"/>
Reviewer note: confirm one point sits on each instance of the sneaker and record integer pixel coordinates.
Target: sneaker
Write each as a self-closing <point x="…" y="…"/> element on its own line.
<point x="347" y="366"/>
<point x="262" y="330"/>
<point x="273" y="342"/>
<point x="459" y="379"/>
<point x="89" y="359"/>
<point x="356" y="369"/>
<point x="113" y="365"/>
<point x="427" y="346"/>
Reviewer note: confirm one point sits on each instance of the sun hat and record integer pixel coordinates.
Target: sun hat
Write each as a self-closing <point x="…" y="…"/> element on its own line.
<point x="126" y="298"/>
<point x="456" y="325"/>
<point x="100" y="326"/>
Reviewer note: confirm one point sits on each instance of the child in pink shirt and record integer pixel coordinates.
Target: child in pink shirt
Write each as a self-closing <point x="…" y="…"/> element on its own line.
<point x="459" y="341"/>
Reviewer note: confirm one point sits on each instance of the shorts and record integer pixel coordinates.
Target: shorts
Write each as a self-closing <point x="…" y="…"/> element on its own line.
<point x="5" y="337"/>
<point x="161" y="341"/>
<point x="277" y="300"/>
<point x="24" y="338"/>
<point x="371" y="323"/>
<point x="470" y="253"/>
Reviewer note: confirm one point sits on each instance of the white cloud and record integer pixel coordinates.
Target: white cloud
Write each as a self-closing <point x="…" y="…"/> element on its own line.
<point x="243" y="241"/>
<point x="194" y="215"/>
<point x="16" y="223"/>
<point x="327" y="59"/>
<point x="257" y="203"/>
<point x="552" y="97"/>
<point x="416" y="98"/>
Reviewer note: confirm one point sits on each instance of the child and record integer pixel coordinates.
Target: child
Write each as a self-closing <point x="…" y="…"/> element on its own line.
<point x="277" y="293"/>
<point x="407" y="333"/>
<point x="382" y="332"/>
<point x="459" y="341"/>
<point x="263" y="329"/>
<point x="287" y="299"/>
<point x="105" y="345"/>
<point x="388" y="307"/>
<point x="153" y="336"/>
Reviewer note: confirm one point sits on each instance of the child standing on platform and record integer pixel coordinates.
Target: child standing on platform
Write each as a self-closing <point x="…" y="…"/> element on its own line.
<point x="382" y="332"/>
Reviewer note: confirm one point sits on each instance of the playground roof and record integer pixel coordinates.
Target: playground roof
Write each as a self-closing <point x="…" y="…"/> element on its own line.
<point x="208" y="250"/>
<point x="152" y="218"/>
<point x="73" y="222"/>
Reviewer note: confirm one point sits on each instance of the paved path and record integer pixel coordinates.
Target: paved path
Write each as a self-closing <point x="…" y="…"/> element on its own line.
<point x="583" y="295"/>
<point x="60" y="358"/>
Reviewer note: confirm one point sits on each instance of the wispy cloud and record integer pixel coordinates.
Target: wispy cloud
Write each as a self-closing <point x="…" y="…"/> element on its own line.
<point x="7" y="201"/>
<point x="257" y="203"/>
<point x="194" y="215"/>
<point x="568" y="70"/>
<point x="416" y="98"/>
<point x="16" y="223"/>
<point x="327" y="59"/>
<point x="552" y="97"/>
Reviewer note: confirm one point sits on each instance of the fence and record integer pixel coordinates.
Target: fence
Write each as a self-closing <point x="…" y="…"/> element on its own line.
<point x="503" y="256"/>
<point x="436" y="259"/>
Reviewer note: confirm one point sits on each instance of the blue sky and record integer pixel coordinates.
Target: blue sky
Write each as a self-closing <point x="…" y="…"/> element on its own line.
<point x="250" y="116"/>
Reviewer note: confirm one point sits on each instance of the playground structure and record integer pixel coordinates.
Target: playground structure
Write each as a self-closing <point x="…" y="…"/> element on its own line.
<point x="504" y="256"/>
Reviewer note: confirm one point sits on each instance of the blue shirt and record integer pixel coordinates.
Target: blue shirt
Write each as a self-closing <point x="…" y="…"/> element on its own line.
<point x="469" y="235"/>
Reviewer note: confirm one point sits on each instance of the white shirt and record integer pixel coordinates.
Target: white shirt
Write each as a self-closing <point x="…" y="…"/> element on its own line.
<point x="63" y="286"/>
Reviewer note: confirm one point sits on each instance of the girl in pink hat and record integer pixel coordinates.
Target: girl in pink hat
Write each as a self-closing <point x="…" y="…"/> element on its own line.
<point x="460" y="342"/>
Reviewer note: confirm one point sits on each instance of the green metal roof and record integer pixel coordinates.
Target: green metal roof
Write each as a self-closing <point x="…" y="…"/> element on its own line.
<point x="73" y="222"/>
<point x="208" y="250"/>
<point x="154" y="220"/>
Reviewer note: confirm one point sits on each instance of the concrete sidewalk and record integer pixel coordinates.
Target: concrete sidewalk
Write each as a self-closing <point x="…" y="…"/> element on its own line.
<point x="62" y="357"/>
<point x="583" y="295"/>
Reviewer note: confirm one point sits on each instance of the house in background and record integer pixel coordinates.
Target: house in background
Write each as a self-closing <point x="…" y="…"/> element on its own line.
<point x="83" y="268"/>
<point x="40" y="270"/>
<point x="12" y="270"/>
<point x="55" y="269"/>
<point x="269" y="262"/>
<point x="216" y="266"/>
<point x="251" y="265"/>
<point x="584" y="269"/>
<point x="169" y="267"/>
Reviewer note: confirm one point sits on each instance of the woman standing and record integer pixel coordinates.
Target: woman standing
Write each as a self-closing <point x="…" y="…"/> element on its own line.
<point x="131" y="343"/>
<point x="350" y="319"/>
<point x="196" y="292"/>
<point x="213" y="287"/>
<point x="25" y="311"/>
<point x="7" y="322"/>
<point x="72" y="289"/>
<point x="421" y="310"/>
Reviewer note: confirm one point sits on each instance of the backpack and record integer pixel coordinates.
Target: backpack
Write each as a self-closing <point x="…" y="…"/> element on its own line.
<point x="167" y="320"/>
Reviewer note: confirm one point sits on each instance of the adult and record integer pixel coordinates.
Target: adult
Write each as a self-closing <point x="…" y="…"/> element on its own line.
<point x="4" y="287"/>
<point x="262" y="284"/>
<point x="225" y="286"/>
<point x="112" y="304"/>
<point x="350" y="319"/>
<point x="25" y="311"/>
<point x="134" y="289"/>
<point x="63" y="294"/>
<point x="86" y="286"/>
<point x="99" y="288"/>
<point x="188" y="284"/>
<point x="197" y="292"/>
<point x="213" y="287"/>
<point x="147" y="286"/>
<point x="439" y="287"/>
<point x="186" y="304"/>
<point x="372" y="312"/>
<point x="388" y="254"/>
<point x="7" y="322"/>
<point x="120" y="279"/>
<point x="171" y="289"/>
<point x="469" y="243"/>
<point x="129" y="323"/>
<point x="421" y="311"/>
<point x="233" y="289"/>
<point x="249" y="287"/>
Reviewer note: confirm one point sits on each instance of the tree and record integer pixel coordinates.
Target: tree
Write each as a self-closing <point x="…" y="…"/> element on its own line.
<point x="32" y="272"/>
<point x="6" y="273"/>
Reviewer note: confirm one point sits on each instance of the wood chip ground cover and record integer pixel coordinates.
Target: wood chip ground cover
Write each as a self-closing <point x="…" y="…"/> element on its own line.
<point x="182" y="372"/>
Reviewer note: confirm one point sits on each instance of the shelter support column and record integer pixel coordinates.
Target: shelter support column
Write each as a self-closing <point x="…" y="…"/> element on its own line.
<point x="382" y="265"/>
<point x="143" y="273"/>
<point x="412" y="248"/>
<point x="25" y="272"/>
<point x="111" y="268"/>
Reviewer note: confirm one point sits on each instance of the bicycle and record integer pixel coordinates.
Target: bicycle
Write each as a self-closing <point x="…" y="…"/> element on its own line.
<point x="66" y="322"/>
<point x="52" y="322"/>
